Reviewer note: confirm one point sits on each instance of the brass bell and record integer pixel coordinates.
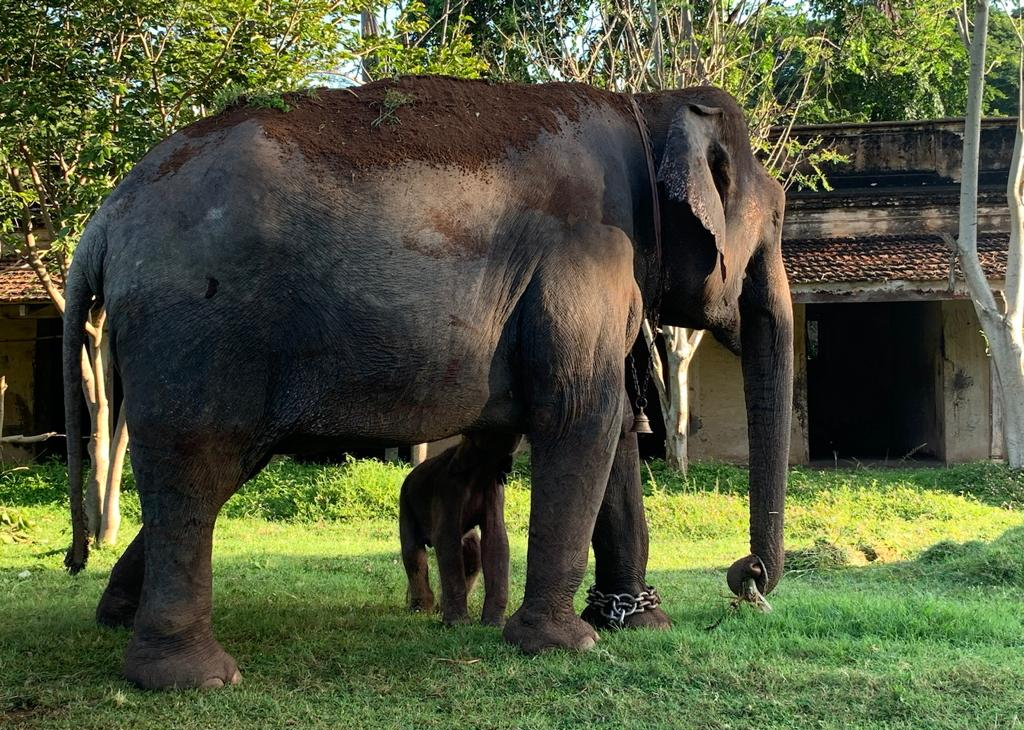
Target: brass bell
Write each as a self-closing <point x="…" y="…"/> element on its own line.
<point x="641" y="423"/>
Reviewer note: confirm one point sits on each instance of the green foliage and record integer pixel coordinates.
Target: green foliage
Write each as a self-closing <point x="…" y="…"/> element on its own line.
<point x="869" y="514"/>
<point x="87" y="87"/>
<point x="904" y="59"/>
<point x="415" y="43"/>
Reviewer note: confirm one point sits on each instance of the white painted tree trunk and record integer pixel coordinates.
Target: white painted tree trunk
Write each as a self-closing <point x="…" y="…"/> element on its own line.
<point x="108" y="442"/>
<point x="1002" y="325"/>
<point x="110" y="522"/>
<point x="672" y="381"/>
<point x="95" y="384"/>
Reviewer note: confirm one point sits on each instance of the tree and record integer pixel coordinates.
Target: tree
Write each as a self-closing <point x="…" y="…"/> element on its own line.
<point x="86" y="88"/>
<point x="415" y="41"/>
<point x="1003" y="325"/>
<point x="904" y="59"/>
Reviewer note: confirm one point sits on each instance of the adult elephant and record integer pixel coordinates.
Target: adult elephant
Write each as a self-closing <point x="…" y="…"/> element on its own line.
<point x="408" y="260"/>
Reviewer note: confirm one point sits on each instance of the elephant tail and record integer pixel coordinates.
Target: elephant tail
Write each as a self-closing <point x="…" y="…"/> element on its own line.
<point x="82" y="292"/>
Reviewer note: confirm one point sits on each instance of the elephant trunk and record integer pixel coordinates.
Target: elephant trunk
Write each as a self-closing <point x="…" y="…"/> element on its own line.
<point x="766" y="332"/>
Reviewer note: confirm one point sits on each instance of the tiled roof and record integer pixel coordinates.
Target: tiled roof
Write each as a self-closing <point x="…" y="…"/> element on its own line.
<point x="19" y="283"/>
<point x="884" y="258"/>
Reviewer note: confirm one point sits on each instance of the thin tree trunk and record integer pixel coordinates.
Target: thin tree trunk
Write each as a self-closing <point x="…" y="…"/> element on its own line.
<point x="368" y="29"/>
<point x="99" y="445"/>
<point x="110" y="524"/>
<point x="680" y="347"/>
<point x="1003" y="329"/>
<point x="102" y="505"/>
<point x="672" y="381"/>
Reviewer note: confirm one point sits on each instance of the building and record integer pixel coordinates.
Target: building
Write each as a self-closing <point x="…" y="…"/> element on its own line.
<point x="889" y="360"/>
<point x="30" y="360"/>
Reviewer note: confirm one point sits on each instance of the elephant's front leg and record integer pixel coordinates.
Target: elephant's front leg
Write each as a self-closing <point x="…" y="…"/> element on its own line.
<point x="570" y="470"/>
<point x="494" y="551"/>
<point x="621" y="539"/>
<point x="451" y="567"/>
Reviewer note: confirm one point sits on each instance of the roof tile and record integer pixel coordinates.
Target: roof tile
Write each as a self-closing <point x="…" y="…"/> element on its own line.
<point x="884" y="258"/>
<point x="19" y="283"/>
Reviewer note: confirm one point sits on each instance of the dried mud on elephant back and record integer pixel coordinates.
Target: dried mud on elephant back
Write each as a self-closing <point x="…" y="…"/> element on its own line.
<point x="433" y="119"/>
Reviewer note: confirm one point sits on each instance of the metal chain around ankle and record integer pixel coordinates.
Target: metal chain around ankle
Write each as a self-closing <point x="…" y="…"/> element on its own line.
<point x="617" y="607"/>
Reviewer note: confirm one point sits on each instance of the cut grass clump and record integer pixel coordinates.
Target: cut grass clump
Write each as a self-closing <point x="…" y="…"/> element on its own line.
<point x="14" y="527"/>
<point x="996" y="563"/>
<point x="822" y="555"/>
<point x="393" y="100"/>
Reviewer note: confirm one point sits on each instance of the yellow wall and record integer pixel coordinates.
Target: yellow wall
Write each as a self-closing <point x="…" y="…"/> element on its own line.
<point x="966" y="385"/>
<point x="718" y="416"/>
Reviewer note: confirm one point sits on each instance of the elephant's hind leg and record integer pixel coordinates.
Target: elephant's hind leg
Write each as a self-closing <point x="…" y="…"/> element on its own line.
<point x="173" y="644"/>
<point x="120" y="600"/>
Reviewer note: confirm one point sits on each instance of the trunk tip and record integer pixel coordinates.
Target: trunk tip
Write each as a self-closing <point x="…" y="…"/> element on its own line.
<point x="747" y="568"/>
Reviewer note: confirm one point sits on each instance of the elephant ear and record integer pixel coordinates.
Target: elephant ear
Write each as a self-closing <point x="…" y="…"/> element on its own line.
<point x="696" y="168"/>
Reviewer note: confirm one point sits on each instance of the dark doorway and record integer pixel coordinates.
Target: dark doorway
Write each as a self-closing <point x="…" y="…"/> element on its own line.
<point x="48" y="408"/>
<point x="873" y="380"/>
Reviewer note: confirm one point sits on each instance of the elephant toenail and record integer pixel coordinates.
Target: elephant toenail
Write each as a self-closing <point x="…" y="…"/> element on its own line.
<point x="213" y="683"/>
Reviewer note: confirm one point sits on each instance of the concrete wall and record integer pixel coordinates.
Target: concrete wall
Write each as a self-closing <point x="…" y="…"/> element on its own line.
<point x="901" y="177"/>
<point x="966" y="406"/>
<point x="718" y="416"/>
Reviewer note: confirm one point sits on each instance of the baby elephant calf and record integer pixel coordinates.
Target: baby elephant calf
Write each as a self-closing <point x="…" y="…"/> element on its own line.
<point x="443" y="501"/>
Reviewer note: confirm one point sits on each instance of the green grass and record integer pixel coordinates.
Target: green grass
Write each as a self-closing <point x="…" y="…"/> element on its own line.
<point x="904" y="612"/>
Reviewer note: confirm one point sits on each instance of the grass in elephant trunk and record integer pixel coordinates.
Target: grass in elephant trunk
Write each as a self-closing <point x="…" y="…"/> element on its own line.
<point x="894" y="617"/>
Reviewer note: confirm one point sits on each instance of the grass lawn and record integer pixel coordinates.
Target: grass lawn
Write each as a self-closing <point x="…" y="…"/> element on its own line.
<point x="903" y="609"/>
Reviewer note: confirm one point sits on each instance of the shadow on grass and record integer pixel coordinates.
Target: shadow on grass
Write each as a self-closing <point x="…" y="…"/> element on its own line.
<point x="348" y="611"/>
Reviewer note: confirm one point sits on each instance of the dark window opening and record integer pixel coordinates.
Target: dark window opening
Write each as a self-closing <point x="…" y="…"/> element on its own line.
<point x="873" y="381"/>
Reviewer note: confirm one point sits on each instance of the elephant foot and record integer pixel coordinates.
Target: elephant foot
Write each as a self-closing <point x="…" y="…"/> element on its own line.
<point x="493" y="618"/>
<point x="534" y="632"/>
<point x="625" y="610"/>
<point x="205" y="667"/>
<point x="116" y="611"/>
<point x="421" y="604"/>
<point x="652" y="618"/>
<point x="457" y="618"/>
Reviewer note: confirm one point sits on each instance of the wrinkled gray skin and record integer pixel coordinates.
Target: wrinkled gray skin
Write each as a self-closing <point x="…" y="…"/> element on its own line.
<point x="255" y="306"/>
